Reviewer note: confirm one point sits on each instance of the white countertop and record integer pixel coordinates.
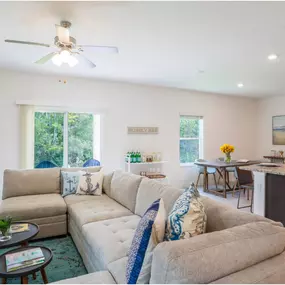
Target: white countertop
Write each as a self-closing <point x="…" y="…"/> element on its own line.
<point x="280" y="170"/>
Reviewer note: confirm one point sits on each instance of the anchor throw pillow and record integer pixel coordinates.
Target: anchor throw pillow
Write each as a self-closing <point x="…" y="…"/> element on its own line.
<point x="69" y="182"/>
<point x="90" y="183"/>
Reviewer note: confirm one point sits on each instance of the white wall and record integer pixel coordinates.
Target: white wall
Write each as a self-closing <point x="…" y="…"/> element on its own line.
<point x="226" y="119"/>
<point x="267" y="108"/>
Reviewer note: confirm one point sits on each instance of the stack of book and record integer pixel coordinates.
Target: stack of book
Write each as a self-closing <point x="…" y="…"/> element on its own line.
<point x="18" y="228"/>
<point x="153" y="175"/>
<point x="23" y="259"/>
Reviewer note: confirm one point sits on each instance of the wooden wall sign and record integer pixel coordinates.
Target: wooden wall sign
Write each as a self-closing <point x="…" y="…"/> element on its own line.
<point x="142" y="130"/>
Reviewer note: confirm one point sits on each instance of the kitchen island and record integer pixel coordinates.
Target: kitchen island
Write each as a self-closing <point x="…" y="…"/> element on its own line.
<point x="269" y="191"/>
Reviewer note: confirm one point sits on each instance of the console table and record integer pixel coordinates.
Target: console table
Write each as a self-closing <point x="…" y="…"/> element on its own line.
<point x="275" y="159"/>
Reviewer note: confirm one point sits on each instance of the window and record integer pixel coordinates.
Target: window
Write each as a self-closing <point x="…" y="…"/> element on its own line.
<point x="65" y="139"/>
<point x="191" y="142"/>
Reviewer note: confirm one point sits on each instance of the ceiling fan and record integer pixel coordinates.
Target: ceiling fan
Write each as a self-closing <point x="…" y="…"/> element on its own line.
<point x="67" y="49"/>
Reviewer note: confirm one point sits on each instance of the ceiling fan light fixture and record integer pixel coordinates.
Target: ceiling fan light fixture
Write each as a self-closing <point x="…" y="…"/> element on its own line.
<point x="64" y="56"/>
<point x="57" y="60"/>
<point x="72" y="61"/>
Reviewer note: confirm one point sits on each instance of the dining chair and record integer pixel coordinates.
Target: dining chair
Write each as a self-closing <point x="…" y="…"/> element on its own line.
<point x="246" y="183"/>
<point x="46" y="164"/>
<point x="91" y="162"/>
<point x="210" y="170"/>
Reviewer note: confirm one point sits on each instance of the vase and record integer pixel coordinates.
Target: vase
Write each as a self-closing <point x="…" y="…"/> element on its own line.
<point x="6" y="234"/>
<point x="228" y="158"/>
<point x="5" y="228"/>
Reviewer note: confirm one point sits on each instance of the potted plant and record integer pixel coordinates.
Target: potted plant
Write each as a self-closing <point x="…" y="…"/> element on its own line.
<point x="5" y="225"/>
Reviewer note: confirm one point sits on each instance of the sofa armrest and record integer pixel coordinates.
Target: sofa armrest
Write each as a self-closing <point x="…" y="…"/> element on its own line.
<point x="208" y="257"/>
<point x="221" y="216"/>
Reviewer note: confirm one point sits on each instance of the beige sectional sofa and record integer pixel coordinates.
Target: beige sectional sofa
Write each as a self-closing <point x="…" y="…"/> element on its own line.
<point x="34" y="195"/>
<point x="238" y="247"/>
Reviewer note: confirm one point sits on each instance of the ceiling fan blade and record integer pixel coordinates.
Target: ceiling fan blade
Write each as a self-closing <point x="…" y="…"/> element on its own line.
<point x="88" y="61"/>
<point x="109" y="49"/>
<point x="26" y="43"/>
<point x="63" y="34"/>
<point x="46" y="58"/>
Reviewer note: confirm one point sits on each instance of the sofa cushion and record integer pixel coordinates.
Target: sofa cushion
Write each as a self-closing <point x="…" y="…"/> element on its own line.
<point x="33" y="206"/>
<point x="99" y="277"/>
<point x="107" y="183"/>
<point x="150" y="190"/>
<point x="221" y="216"/>
<point x="30" y="182"/>
<point x="89" y="169"/>
<point x="94" y="208"/>
<point x="118" y="270"/>
<point x="226" y="252"/>
<point x="73" y="199"/>
<point x="124" y="188"/>
<point x="110" y="240"/>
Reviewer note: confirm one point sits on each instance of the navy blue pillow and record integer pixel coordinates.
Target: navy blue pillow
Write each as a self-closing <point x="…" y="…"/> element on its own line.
<point x="140" y="243"/>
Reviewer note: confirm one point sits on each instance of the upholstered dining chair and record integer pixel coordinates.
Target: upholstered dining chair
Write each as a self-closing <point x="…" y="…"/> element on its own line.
<point x="91" y="162"/>
<point x="245" y="182"/>
<point x="210" y="170"/>
<point x="46" y="164"/>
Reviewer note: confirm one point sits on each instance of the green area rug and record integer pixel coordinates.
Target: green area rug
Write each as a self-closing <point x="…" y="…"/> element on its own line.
<point x="66" y="262"/>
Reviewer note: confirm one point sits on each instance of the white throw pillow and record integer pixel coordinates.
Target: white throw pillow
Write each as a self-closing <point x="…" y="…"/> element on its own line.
<point x="90" y="183"/>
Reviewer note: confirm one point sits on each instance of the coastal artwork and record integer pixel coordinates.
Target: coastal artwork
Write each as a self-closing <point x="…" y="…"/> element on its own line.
<point x="278" y="130"/>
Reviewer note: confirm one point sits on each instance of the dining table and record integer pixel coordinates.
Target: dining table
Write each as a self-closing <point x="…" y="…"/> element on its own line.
<point x="221" y="167"/>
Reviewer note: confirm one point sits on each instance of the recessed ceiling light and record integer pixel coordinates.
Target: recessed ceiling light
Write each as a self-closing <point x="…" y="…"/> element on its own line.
<point x="273" y="56"/>
<point x="240" y="85"/>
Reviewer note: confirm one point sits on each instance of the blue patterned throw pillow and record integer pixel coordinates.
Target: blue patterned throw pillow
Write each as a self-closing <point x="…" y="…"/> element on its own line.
<point x="149" y="233"/>
<point x="187" y="217"/>
<point x="69" y="182"/>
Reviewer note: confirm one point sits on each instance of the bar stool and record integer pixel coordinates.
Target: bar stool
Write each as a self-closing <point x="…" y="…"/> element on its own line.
<point x="210" y="170"/>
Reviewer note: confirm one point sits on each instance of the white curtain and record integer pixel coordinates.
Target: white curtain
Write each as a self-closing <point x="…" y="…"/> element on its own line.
<point x="27" y="135"/>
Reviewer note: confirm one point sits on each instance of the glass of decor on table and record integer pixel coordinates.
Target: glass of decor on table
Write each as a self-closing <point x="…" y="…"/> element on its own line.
<point x="5" y="228"/>
<point x="227" y="149"/>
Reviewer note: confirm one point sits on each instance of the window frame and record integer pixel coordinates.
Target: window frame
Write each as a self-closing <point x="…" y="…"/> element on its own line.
<point x="200" y="138"/>
<point x="96" y="130"/>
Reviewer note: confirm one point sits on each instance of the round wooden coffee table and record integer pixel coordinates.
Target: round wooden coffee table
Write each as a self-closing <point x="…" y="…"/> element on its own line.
<point x="21" y="238"/>
<point x="24" y="272"/>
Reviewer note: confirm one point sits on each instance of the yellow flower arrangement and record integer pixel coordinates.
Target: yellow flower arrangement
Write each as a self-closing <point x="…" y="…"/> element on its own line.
<point x="227" y="148"/>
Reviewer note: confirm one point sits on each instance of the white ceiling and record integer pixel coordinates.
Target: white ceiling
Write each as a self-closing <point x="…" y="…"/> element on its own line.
<point x="160" y="43"/>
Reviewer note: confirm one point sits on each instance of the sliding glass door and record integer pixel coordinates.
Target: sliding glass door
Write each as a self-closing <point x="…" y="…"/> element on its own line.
<point x="63" y="139"/>
<point x="80" y="138"/>
<point x="49" y="132"/>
